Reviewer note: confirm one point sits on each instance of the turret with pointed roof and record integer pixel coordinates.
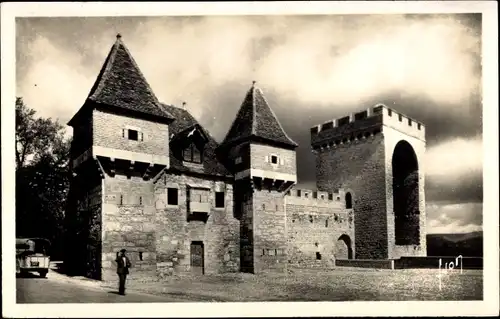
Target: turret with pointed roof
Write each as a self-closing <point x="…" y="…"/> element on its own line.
<point x="256" y="121"/>
<point x="262" y="158"/>
<point x="121" y="86"/>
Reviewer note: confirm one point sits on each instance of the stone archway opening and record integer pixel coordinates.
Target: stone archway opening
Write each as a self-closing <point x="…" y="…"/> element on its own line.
<point x="405" y="187"/>
<point x="343" y="248"/>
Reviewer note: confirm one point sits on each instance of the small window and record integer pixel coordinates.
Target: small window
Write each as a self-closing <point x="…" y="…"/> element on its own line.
<point x="418" y="126"/>
<point x="326" y="223"/>
<point x="133" y="135"/>
<point x="192" y="154"/>
<point x="274" y="159"/>
<point x="400" y="117"/>
<point x="348" y="200"/>
<point x="140" y="200"/>
<point x="330" y="196"/>
<point x="140" y="255"/>
<point x="318" y="255"/>
<point x="219" y="199"/>
<point x="389" y="111"/>
<point x="409" y="122"/>
<point x="121" y="199"/>
<point x="172" y="194"/>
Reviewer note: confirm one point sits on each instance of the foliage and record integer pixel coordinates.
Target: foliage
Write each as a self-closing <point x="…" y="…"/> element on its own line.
<point x="42" y="182"/>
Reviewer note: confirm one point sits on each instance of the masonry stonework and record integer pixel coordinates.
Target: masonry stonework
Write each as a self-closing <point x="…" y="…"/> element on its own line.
<point x="147" y="177"/>
<point x="357" y="153"/>
<point x="110" y="131"/>
<point x="315" y="224"/>
<point x="175" y="231"/>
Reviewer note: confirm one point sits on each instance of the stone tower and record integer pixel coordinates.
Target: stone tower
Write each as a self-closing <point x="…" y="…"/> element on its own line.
<point x="262" y="158"/>
<point x="120" y="141"/>
<point x="377" y="157"/>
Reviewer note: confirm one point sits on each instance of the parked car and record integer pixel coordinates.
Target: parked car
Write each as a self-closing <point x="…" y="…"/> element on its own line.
<point x="32" y="255"/>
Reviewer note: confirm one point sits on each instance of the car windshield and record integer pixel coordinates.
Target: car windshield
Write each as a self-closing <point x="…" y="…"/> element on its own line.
<point x="37" y="246"/>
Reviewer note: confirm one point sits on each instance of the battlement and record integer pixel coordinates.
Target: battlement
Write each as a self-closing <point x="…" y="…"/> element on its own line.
<point x="316" y="197"/>
<point x="362" y="125"/>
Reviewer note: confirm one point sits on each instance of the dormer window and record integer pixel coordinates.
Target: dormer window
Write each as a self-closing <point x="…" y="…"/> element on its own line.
<point x="192" y="154"/>
<point x="274" y="159"/>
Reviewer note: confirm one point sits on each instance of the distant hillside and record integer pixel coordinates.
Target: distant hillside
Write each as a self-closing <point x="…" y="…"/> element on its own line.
<point x="466" y="244"/>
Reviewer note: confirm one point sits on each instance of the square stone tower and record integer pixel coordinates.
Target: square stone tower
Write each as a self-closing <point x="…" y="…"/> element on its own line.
<point x="377" y="157"/>
<point x="120" y="141"/>
<point x="262" y="158"/>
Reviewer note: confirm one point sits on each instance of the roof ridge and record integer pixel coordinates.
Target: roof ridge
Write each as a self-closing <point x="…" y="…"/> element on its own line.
<point x="235" y="120"/>
<point x="275" y="117"/>
<point x="104" y="72"/>
<point x="172" y="105"/>
<point x="254" y="110"/>
<point x="196" y="121"/>
<point x="139" y="71"/>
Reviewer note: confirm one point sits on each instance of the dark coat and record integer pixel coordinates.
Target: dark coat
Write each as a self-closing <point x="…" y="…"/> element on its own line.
<point x="121" y="267"/>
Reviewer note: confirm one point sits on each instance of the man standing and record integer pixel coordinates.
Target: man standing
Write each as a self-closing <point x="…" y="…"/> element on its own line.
<point x="122" y="264"/>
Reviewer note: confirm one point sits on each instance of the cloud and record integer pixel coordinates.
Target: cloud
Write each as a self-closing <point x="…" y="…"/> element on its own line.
<point x="311" y="69"/>
<point x="55" y="84"/>
<point x="454" y="170"/>
<point x="318" y="62"/>
<point x="456" y="157"/>
<point x="459" y="218"/>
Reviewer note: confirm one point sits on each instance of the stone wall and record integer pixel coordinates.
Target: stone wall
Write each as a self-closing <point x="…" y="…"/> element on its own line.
<point x="261" y="159"/>
<point x="84" y="223"/>
<point x="314" y="225"/>
<point x="174" y="233"/>
<point x="128" y="222"/>
<point x="243" y="195"/>
<point x="360" y="166"/>
<point x="391" y="138"/>
<point x="108" y="132"/>
<point x="269" y="237"/>
<point x="82" y="135"/>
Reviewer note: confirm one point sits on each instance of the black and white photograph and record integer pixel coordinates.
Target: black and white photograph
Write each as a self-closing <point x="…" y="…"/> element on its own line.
<point x="251" y="158"/>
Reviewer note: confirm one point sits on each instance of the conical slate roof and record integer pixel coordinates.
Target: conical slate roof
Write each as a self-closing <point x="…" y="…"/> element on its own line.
<point x="121" y="84"/>
<point x="256" y="119"/>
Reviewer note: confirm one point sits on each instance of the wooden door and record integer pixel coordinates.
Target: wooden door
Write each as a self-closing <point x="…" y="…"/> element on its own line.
<point x="197" y="258"/>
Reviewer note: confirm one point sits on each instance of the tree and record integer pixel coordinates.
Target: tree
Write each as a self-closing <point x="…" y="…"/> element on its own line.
<point x="42" y="157"/>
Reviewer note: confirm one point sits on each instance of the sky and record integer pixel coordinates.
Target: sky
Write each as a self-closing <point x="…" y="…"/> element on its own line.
<point x="311" y="69"/>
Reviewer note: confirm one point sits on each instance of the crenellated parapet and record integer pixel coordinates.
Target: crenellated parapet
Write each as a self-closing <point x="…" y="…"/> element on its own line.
<point x="310" y="197"/>
<point x="363" y="125"/>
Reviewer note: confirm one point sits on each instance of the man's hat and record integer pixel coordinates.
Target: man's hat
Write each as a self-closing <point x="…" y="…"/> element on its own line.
<point x="123" y="250"/>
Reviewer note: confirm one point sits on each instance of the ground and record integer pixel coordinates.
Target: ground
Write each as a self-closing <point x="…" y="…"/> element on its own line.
<point x="344" y="284"/>
<point x="341" y="284"/>
<point x="31" y="289"/>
